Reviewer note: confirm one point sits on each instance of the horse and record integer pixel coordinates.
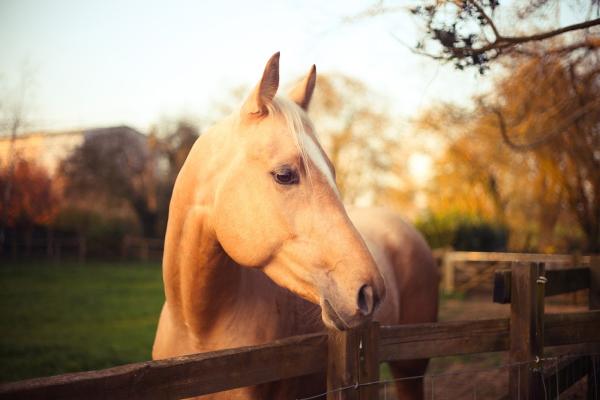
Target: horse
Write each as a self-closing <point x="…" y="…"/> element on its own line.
<point x="259" y="245"/>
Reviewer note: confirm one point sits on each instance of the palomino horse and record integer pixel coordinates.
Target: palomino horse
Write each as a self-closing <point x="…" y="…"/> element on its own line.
<point x="259" y="245"/>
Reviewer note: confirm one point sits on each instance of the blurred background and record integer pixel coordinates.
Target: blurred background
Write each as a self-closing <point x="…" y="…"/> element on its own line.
<point x="479" y="121"/>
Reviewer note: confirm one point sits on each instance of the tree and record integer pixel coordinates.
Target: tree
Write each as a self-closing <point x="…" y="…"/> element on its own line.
<point x="531" y="143"/>
<point x="116" y="166"/>
<point x="528" y="152"/>
<point x="470" y="33"/>
<point x="560" y="128"/>
<point x="358" y="136"/>
<point x="13" y="110"/>
<point x="173" y="140"/>
<point x="33" y="200"/>
<point x="123" y="167"/>
<point x="170" y="143"/>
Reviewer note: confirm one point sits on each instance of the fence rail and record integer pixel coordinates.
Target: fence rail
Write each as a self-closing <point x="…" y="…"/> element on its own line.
<point x="351" y="358"/>
<point x="478" y="267"/>
<point x="185" y="376"/>
<point x="292" y="357"/>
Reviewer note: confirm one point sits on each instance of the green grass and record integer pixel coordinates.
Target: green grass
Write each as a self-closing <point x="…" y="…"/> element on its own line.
<point x="58" y="319"/>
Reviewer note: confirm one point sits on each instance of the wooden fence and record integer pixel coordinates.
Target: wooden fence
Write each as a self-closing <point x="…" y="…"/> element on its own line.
<point x="50" y="247"/>
<point x="466" y="270"/>
<point x="351" y="358"/>
<point x="141" y="248"/>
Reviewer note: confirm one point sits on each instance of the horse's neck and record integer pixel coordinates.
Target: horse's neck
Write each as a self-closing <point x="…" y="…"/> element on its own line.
<point x="195" y="268"/>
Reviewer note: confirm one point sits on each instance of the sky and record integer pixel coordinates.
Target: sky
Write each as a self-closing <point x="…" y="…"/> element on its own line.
<point x="103" y="63"/>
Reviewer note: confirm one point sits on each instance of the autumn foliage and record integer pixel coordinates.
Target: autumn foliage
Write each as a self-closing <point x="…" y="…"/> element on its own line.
<point x="32" y="200"/>
<point x="526" y="154"/>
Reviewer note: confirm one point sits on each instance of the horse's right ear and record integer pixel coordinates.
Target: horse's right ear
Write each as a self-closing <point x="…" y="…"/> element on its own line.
<point x="265" y="91"/>
<point x="303" y="91"/>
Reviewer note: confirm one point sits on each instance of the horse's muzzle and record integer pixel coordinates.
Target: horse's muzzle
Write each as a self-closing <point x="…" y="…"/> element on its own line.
<point x="366" y="303"/>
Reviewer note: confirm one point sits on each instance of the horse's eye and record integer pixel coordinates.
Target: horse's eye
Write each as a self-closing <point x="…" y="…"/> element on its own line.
<point x="285" y="176"/>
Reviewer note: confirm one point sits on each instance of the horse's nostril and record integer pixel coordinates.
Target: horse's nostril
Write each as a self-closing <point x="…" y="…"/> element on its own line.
<point x="365" y="300"/>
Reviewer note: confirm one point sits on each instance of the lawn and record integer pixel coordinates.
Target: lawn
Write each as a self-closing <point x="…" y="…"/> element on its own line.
<point x="57" y="319"/>
<point x="65" y="318"/>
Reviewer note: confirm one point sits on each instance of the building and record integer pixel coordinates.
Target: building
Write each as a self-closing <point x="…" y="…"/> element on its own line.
<point x="49" y="149"/>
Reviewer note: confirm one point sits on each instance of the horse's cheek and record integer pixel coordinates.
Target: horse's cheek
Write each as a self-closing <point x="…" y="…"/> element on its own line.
<point x="241" y="227"/>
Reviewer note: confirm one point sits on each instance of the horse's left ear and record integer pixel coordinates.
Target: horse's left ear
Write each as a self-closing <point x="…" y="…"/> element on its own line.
<point x="302" y="92"/>
<point x="265" y="91"/>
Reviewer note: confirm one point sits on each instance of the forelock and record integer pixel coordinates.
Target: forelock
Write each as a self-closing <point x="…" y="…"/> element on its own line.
<point x="296" y="122"/>
<point x="299" y="125"/>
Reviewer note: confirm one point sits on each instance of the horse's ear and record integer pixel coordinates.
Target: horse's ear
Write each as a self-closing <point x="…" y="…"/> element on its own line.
<point x="264" y="92"/>
<point x="302" y="92"/>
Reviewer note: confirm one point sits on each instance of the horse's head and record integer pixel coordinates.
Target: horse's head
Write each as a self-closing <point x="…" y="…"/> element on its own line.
<point x="278" y="208"/>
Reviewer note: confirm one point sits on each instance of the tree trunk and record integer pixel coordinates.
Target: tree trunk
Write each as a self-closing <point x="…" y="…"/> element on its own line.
<point x="147" y="217"/>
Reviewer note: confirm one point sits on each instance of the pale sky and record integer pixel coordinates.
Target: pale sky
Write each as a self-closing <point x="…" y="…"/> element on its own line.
<point x="101" y="63"/>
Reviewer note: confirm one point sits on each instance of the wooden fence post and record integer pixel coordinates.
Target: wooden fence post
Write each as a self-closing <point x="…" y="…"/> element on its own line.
<point x="49" y="242"/>
<point x="57" y="251"/>
<point x="448" y="277"/>
<point x="144" y="249"/>
<point x="353" y="360"/>
<point x="594" y="296"/>
<point x="526" y="330"/>
<point x="368" y="370"/>
<point x="594" y="304"/>
<point x="81" y="248"/>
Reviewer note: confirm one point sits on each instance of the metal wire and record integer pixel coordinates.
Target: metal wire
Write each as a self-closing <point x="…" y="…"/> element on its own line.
<point x="543" y="382"/>
<point x="594" y="385"/>
<point x="432" y="388"/>
<point x="556" y="372"/>
<point x="457" y="373"/>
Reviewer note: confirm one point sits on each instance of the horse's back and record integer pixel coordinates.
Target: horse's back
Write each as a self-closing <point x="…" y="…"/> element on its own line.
<point x="406" y="262"/>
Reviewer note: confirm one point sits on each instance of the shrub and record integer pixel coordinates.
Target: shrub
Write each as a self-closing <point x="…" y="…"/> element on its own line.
<point x="462" y="232"/>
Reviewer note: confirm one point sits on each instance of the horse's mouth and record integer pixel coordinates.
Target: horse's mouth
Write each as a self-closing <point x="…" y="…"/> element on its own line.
<point x="331" y="318"/>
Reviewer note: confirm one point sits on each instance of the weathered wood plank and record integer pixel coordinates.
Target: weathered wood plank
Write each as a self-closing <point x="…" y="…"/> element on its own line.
<point x="560" y="281"/>
<point x="448" y="273"/>
<point x="567" y="280"/>
<point x="502" y="286"/>
<point x="301" y="355"/>
<point x="183" y="376"/>
<point x="475" y="256"/>
<point x="368" y="363"/>
<point x="403" y="342"/>
<point x="342" y="365"/>
<point x="526" y="330"/>
<point x="572" y="328"/>
<point x="442" y="339"/>
<point x="353" y="361"/>
<point x="594" y="303"/>
<point x="594" y="377"/>
<point x="594" y="283"/>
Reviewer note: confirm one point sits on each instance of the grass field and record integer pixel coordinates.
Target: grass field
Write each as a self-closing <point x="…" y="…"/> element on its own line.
<point x="66" y="318"/>
<point x="57" y="319"/>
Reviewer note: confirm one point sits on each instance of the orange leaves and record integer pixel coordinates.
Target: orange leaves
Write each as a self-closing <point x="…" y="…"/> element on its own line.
<point x="31" y="198"/>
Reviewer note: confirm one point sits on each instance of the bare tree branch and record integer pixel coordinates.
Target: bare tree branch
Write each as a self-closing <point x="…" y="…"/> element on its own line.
<point x="452" y="24"/>
<point x="549" y="34"/>
<point x="489" y="20"/>
<point x="523" y="147"/>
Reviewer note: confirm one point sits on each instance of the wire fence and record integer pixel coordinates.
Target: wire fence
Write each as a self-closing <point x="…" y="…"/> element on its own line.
<point x="546" y="367"/>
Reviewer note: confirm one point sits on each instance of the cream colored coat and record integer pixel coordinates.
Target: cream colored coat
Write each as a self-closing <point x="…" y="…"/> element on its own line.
<point x="249" y="259"/>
